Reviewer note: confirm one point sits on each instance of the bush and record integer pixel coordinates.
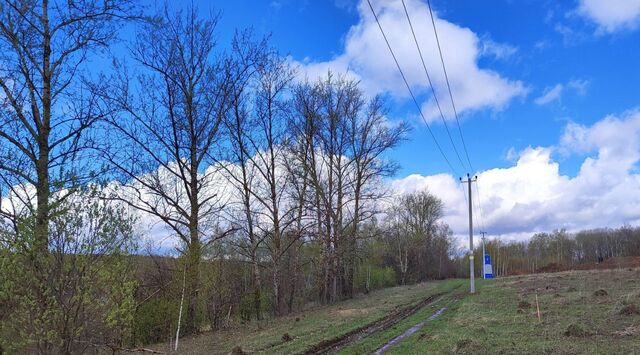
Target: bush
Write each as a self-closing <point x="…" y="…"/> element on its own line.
<point x="155" y="320"/>
<point x="372" y="277"/>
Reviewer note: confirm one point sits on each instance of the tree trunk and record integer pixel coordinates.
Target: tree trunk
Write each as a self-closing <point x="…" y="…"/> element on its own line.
<point x="257" y="286"/>
<point x="42" y="165"/>
<point x="194" y="255"/>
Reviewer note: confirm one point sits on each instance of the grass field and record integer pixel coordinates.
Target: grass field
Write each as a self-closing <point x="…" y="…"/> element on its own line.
<point x="580" y="312"/>
<point x="308" y="328"/>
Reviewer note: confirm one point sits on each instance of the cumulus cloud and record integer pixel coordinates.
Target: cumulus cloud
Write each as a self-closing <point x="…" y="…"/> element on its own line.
<point x="611" y="15"/>
<point x="532" y="195"/>
<point x="366" y="58"/>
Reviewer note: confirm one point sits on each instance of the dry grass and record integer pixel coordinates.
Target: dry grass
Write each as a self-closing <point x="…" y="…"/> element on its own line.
<point x="582" y="312"/>
<point x="299" y="331"/>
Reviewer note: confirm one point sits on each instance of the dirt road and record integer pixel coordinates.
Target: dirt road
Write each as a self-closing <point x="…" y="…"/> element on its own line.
<point x="334" y="345"/>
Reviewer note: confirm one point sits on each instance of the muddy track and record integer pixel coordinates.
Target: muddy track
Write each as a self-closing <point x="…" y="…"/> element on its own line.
<point x="391" y="343"/>
<point x="339" y="342"/>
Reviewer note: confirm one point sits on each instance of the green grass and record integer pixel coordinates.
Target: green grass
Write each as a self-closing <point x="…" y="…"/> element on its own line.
<point x="312" y="326"/>
<point x="490" y="321"/>
<point x="494" y="320"/>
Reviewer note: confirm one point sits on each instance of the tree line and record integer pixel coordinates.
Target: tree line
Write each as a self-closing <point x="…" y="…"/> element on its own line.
<point x="560" y="250"/>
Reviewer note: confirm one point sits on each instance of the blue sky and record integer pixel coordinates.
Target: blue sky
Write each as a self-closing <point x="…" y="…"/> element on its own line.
<point x="551" y="43"/>
<point x="547" y="93"/>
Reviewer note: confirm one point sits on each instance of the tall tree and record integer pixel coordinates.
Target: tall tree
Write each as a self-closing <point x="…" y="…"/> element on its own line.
<point x="419" y="213"/>
<point x="340" y="138"/>
<point x="372" y="136"/>
<point x="240" y="172"/>
<point x="274" y="75"/>
<point x="45" y="109"/>
<point x="167" y="129"/>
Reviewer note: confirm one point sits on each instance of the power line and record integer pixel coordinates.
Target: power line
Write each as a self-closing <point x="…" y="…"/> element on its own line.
<point x="409" y="88"/>
<point x="453" y="105"/>
<point x="455" y="112"/>
<point x="433" y="90"/>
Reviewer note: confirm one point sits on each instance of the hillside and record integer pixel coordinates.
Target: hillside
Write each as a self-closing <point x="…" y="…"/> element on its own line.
<point x="594" y="311"/>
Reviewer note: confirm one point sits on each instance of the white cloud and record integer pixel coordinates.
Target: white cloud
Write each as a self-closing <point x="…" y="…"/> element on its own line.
<point x="529" y="196"/>
<point x="532" y="195"/>
<point x="550" y="95"/>
<point x="579" y="85"/>
<point x="611" y="15"/>
<point x="554" y="93"/>
<point x="497" y="50"/>
<point x="367" y="58"/>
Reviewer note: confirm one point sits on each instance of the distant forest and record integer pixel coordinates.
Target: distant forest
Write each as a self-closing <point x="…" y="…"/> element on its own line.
<point x="271" y="188"/>
<point x="562" y="250"/>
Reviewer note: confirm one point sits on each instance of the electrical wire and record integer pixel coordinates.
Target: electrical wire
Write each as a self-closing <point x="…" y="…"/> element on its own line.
<point x="433" y="90"/>
<point x="455" y="111"/>
<point x="409" y="88"/>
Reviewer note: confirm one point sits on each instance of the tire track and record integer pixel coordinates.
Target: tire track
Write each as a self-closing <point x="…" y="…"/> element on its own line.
<point x="414" y="328"/>
<point x="335" y="344"/>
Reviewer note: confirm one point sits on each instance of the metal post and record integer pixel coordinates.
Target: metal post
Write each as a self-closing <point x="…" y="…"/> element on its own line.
<point x="484" y="255"/>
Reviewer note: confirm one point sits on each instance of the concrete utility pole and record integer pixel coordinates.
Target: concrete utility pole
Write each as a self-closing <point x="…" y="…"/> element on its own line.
<point x="484" y="255"/>
<point x="471" y="267"/>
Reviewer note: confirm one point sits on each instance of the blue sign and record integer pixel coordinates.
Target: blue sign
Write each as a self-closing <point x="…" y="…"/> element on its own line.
<point x="487" y="269"/>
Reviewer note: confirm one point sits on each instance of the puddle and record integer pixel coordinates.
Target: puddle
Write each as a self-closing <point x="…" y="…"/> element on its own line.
<point x="409" y="332"/>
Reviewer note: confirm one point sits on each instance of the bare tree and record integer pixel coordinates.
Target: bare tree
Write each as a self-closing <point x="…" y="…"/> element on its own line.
<point x="46" y="113"/>
<point x="258" y="135"/>
<point x="274" y="76"/>
<point x="372" y="136"/>
<point x="341" y="138"/>
<point x="167" y="128"/>
<point x="45" y="107"/>
<point x="240" y="173"/>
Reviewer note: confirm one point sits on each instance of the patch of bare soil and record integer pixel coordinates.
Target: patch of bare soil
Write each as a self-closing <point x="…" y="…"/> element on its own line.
<point x="629" y="310"/>
<point x="408" y="333"/>
<point x="351" y="311"/>
<point x="601" y="293"/>
<point x="524" y="305"/>
<point x="627" y="262"/>
<point x="575" y="330"/>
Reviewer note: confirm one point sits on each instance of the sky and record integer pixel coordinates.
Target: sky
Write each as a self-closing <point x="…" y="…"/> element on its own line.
<point x="546" y="94"/>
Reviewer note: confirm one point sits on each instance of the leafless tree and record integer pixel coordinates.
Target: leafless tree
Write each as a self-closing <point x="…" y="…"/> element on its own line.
<point x="341" y="138"/>
<point x="274" y="76"/>
<point x="237" y="164"/>
<point x="168" y="125"/>
<point x="372" y="136"/>
<point x="45" y="109"/>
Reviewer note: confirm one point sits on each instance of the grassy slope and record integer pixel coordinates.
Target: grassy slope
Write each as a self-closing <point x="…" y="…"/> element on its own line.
<point x="312" y="326"/>
<point x="491" y="322"/>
